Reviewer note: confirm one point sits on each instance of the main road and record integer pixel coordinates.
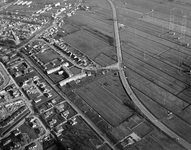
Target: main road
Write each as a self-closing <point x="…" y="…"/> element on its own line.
<point x="130" y="92"/>
<point x="60" y="93"/>
<point x="90" y="123"/>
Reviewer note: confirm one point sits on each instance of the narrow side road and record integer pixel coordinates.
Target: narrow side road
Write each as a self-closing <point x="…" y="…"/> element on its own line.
<point x="60" y="93"/>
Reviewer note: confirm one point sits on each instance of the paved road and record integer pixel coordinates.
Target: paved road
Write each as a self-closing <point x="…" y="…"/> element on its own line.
<point x="63" y="55"/>
<point x="130" y="92"/>
<point x="35" y="36"/>
<point x="127" y="87"/>
<point x="111" y="67"/>
<point x="93" y="126"/>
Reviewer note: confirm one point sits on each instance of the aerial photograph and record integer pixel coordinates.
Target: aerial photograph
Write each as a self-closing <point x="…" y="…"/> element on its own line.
<point x="95" y="74"/>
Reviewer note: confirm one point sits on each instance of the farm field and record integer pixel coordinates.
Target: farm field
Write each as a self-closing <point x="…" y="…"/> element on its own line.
<point x="133" y="124"/>
<point x="103" y="102"/>
<point x="155" y="37"/>
<point x="47" y="56"/>
<point x="112" y="84"/>
<point x="99" y="23"/>
<point x="80" y="136"/>
<point x="86" y="43"/>
<point x="104" y="60"/>
<point x="154" y="63"/>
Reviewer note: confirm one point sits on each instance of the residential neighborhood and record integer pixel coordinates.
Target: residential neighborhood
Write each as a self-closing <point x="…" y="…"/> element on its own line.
<point x="95" y="75"/>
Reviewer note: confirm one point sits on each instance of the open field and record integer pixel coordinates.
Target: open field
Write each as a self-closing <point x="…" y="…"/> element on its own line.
<point x="103" y="102"/>
<point x="94" y="116"/>
<point x="70" y="28"/>
<point x="97" y="27"/>
<point x="159" y="111"/>
<point x="163" y="142"/>
<point x="86" y="43"/>
<point x="153" y="63"/>
<point x="142" y="129"/>
<point x="47" y="56"/>
<point x="104" y="60"/>
<point x="153" y="58"/>
<point x="112" y="84"/>
<point x="80" y="136"/>
<point x="144" y="145"/>
<point x="91" y="24"/>
<point x="161" y="96"/>
<point x="92" y="33"/>
<point x="178" y="126"/>
<point x="104" y="147"/>
<point x="185" y="114"/>
<point x="129" y="126"/>
<point x="155" y="141"/>
<point x="25" y="128"/>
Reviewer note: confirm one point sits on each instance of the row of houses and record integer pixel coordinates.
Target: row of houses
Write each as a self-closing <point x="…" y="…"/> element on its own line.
<point x="74" y="78"/>
<point x="23" y="3"/>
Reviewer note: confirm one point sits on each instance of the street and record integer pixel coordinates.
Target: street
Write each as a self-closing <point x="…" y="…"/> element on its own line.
<point x="132" y="95"/>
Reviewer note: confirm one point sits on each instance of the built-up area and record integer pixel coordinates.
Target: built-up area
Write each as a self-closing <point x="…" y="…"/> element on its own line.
<point x="36" y="65"/>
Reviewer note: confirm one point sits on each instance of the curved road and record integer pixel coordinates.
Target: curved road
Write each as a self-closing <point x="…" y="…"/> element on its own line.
<point x="130" y="92"/>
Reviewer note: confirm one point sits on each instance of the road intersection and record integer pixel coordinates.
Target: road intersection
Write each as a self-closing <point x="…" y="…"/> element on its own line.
<point x="132" y="95"/>
<point x="118" y="66"/>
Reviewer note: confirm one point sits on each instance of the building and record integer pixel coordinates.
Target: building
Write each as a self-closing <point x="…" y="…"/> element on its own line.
<point x="50" y="71"/>
<point x="74" y="78"/>
<point x="19" y="2"/>
<point x="28" y="3"/>
<point x="57" y="4"/>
